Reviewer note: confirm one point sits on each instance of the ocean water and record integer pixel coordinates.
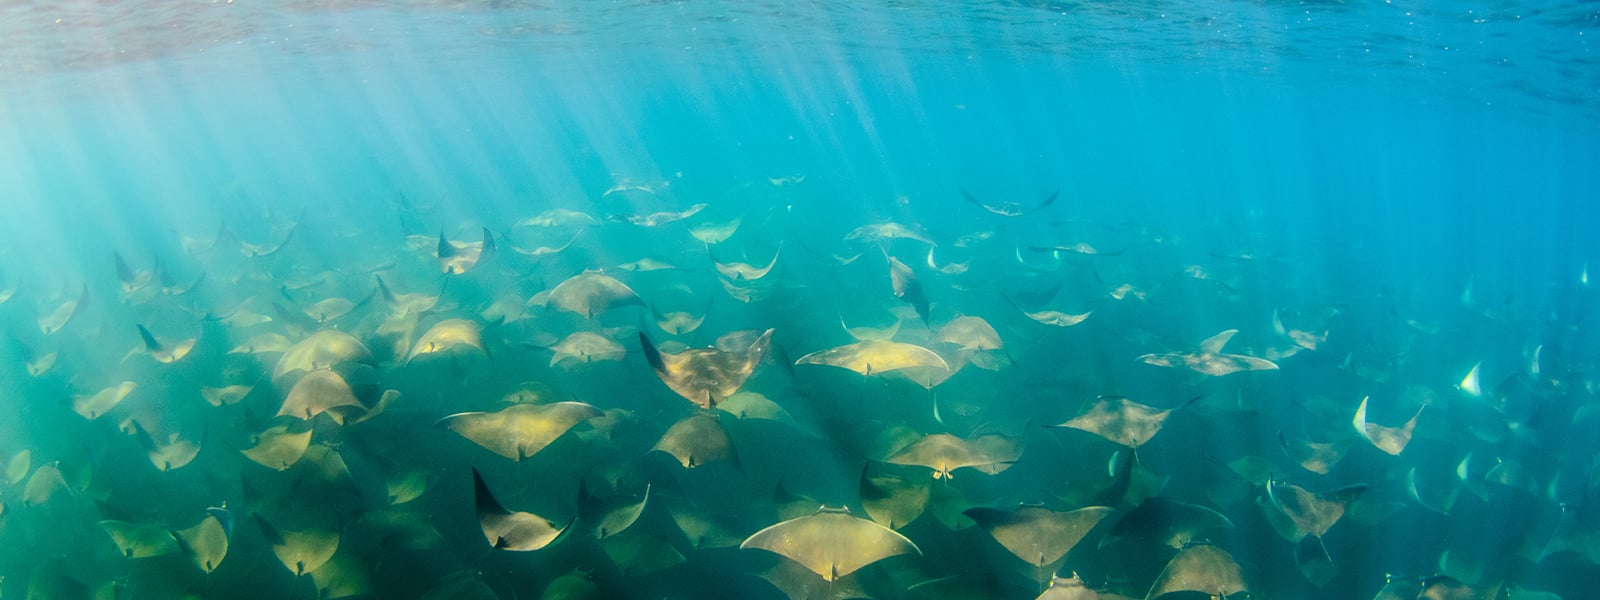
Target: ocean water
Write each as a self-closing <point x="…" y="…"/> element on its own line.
<point x="1381" y="198"/>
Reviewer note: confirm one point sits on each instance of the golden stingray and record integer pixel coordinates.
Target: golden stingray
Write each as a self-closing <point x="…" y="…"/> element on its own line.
<point x="944" y="453"/>
<point x="1209" y="359"/>
<point x="1391" y="440"/>
<point x="456" y="258"/>
<point x="140" y="540"/>
<point x="657" y="219"/>
<point x="711" y="233"/>
<point x="540" y="251"/>
<point x="1068" y="588"/>
<point x="970" y="333"/>
<point x="831" y="543"/>
<point x="321" y="350"/>
<point x="1037" y="535"/>
<point x="207" y="541"/>
<point x="697" y="441"/>
<point x="132" y="281"/>
<point x="250" y="250"/>
<point x="610" y="516"/>
<point x="591" y="292"/>
<point x="407" y="304"/>
<point x="678" y="322"/>
<point x="43" y="485"/>
<point x="343" y="576"/>
<point x="746" y="272"/>
<point x="751" y="405"/>
<point x="96" y="404"/>
<point x="18" y="465"/>
<point x="263" y="343"/>
<point x="584" y="347"/>
<point x="1296" y="513"/>
<point x="62" y="313"/>
<point x="882" y="232"/>
<point x="1122" y="421"/>
<point x="300" y="551"/>
<point x="893" y="501"/>
<point x="748" y="291"/>
<point x="1200" y="568"/>
<point x="506" y="530"/>
<point x="1173" y="523"/>
<point x="165" y="353"/>
<point x="448" y="334"/>
<point x="704" y="529"/>
<point x="1054" y="318"/>
<point x="905" y="285"/>
<point x="705" y="376"/>
<point x="228" y="395"/>
<point x="319" y="392"/>
<point x="640" y="554"/>
<point x="558" y="217"/>
<point x="869" y="357"/>
<point x="520" y="430"/>
<point x="166" y="452"/>
<point x="1317" y="457"/>
<point x="281" y="446"/>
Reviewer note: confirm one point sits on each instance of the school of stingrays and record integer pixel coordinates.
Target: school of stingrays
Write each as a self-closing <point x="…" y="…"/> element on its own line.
<point x="654" y="397"/>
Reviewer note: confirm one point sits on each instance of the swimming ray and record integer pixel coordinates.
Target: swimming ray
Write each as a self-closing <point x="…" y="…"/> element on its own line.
<point x="321" y="350"/>
<point x="558" y="217"/>
<point x="751" y="405"/>
<point x="1122" y="421"/>
<point x="140" y="540"/>
<point x="640" y="554"/>
<point x="678" y="322"/>
<point x="250" y="250"/>
<point x="831" y="543"/>
<point x="1173" y="523"/>
<point x="227" y="395"/>
<point x="697" y="441"/>
<point x="949" y="268"/>
<point x="342" y="576"/>
<point x="408" y="304"/>
<point x="447" y="335"/>
<point x="62" y="312"/>
<point x="705" y="376"/>
<point x="1039" y="536"/>
<point x="657" y="219"/>
<point x="796" y="582"/>
<point x="281" y="446"/>
<point x="18" y="465"/>
<point x="870" y="357"/>
<point x="944" y="453"/>
<point x="893" y="501"/>
<point x="320" y="392"/>
<point x="521" y="430"/>
<point x="165" y="353"/>
<point x="1010" y="208"/>
<point x="456" y="258"/>
<point x="94" y="405"/>
<point x="301" y="552"/>
<point x="206" y="542"/>
<point x="1297" y="513"/>
<point x="132" y="281"/>
<point x="514" y="531"/>
<point x="1208" y="359"/>
<point x="738" y="271"/>
<point x="585" y="347"/>
<point x="1068" y="588"/>
<point x="591" y="292"/>
<point x="970" y="333"/>
<point x="882" y="232"/>
<point x="1200" y="568"/>
<point x="907" y="287"/>
<point x="167" y="452"/>
<point x="606" y="517"/>
<point x="541" y="251"/>
<point x="1317" y="457"/>
<point x="712" y="233"/>
<point x="1391" y="440"/>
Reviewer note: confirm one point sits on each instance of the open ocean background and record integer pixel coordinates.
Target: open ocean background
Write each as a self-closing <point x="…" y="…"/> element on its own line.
<point x="1400" y="156"/>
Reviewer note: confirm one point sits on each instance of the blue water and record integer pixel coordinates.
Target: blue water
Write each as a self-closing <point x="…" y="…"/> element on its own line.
<point x="1386" y="156"/>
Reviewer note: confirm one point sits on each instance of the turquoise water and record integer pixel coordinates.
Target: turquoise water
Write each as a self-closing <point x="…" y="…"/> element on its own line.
<point x="1408" y="185"/>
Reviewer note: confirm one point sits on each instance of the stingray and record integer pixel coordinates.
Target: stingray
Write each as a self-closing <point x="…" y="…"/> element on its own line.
<point x="831" y="543"/>
<point x="456" y="258"/>
<point x="132" y="281"/>
<point x="640" y="554"/>
<point x="1317" y="457"/>
<point x="970" y="333"/>
<point x="343" y="576"/>
<point x="1122" y="421"/>
<point x="1068" y="588"/>
<point x="281" y="446"/>
<point x="903" y="281"/>
<point x="678" y="322"/>
<point x="944" y="453"/>
<point x="59" y="315"/>
<point x="1391" y="440"/>
<point x="1009" y="208"/>
<point x="1297" y="513"/>
<point x="1171" y="522"/>
<point x="1079" y="248"/>
<point x="1200" y="568"/>
<point x="250" y="250"/>
<point x="558" y="217"/>
<point x="1304" y="338"/>
<point x="99" y="403"/>
<point x="882" y="232"/>
<point x="140" y="540"/>
<point x="711" y="233"/>
<point x="697" y="441"/>
<point x="172" y="288"/>
<point x="705" y="529"/>
<point x="584" y="347"/>
<point x="18" y="465"/>
<point x="751" y="405"/>
<point x="893" y="501"/>
<point x="446" y="335"/>
<point x="646" y="265"/>
<point x="206" y="542"/>
<point x="166" y="452"/>
<point x="227" y="395"/>
<point x="43" y="485"/>
<point x="514" y="531"/>
<point x="705" y="376"/>
<point x="320" y="392"/>
<point x="300" y="551"/>
<point x="738" y="271"/>
<point x="408" y="304"/>
<point x="591" y="293"/>
<point x="657" y="219"/>
<point x="520" y="430"/>
<point x="1048" y="317"/>
<point x="1209" y="359"/>
<point x="748" y="291"/>
<point x="606" y="517"/>
<point x="321" y="350"/>
<point x="870" y="357"/>
<point x="1039" y="536"/>
<point x="949" y="268"/>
